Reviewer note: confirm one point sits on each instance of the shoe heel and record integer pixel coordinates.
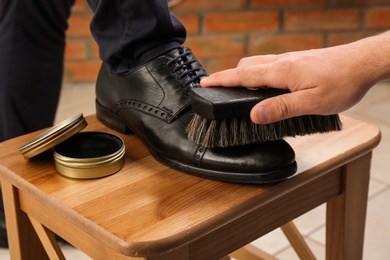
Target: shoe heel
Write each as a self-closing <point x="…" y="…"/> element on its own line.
<point x="111" y="120"/>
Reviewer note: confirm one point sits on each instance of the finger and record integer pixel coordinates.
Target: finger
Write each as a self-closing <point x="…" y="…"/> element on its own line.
<point x="226" y="78"/>
<point x="251" y="76"/>
<point x="257" y="60"/>
<point x="281" y="107"/>
<point x="230" y="77"/>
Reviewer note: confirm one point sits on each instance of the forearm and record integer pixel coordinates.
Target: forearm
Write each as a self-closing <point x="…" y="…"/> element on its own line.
<point x="374" y="55"/>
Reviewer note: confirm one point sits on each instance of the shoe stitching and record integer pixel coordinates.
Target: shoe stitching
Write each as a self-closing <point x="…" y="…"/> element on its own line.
<point x="185" y="64"/>
<point x="151" y="110"/>
<point x="156" y="81"/>
<point x="199" y="156"/>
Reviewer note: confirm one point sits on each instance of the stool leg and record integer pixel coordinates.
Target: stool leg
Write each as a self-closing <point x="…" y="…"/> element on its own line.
<point x="297" y="241"/>
<point x="48" y="240"/>
<point x="250" y="252"/>
<point x="346" y="214"/>
<point x="22" y="239"/>
<point x="294" y="237"/>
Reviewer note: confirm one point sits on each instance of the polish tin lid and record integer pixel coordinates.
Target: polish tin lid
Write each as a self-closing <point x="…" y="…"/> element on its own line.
<point x="53" y="136"/>
<point x="84" y="155"/>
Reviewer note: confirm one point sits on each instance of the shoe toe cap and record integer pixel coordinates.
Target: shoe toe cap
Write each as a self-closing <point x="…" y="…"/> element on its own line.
<point x="255" y="158"/>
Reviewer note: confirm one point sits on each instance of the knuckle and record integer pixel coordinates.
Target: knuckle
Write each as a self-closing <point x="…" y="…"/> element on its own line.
<point x="287" y="64"/>
<point x="240" y="75"/>
<point x="317" y="103"/>
<point x="283" y="108"/>
<point x="242" y="62"/>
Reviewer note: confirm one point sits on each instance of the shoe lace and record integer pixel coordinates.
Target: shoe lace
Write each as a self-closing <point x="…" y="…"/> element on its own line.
<point x="190" y="67"/>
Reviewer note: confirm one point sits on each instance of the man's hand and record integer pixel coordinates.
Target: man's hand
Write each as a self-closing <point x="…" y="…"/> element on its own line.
<point x="322" y="81"/>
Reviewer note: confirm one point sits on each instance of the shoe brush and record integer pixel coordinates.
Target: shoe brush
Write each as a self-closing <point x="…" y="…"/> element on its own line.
<point x="222" y="118"/>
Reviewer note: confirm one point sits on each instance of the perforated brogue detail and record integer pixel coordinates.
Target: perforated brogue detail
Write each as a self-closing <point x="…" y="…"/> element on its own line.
<point x="199" y="155"/>
<point x="145" y="108"/>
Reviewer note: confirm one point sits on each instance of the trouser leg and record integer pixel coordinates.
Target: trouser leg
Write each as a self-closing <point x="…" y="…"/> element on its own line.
<point x="32" y="42"/>
<point x="131" y="32"/>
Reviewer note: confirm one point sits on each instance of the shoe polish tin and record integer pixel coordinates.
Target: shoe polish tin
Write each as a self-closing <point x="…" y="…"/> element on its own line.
<point x="79" y="155"/>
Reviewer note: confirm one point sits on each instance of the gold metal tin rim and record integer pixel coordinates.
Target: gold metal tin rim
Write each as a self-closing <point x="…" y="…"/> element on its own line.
<point x="53" y="136"/>
<point x="90" y="168"/>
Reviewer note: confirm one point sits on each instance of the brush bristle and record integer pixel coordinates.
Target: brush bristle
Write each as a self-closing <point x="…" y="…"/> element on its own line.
<point x="242" y="131"/>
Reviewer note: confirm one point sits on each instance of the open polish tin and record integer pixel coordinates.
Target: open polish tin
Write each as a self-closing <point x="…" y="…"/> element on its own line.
<point x="84" y="155"/>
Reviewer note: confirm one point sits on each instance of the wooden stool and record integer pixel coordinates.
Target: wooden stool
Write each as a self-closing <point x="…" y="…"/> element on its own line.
<point x="149" y="211"/>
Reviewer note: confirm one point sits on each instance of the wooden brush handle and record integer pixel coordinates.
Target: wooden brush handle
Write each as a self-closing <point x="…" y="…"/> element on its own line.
<point x="222" y="102"/>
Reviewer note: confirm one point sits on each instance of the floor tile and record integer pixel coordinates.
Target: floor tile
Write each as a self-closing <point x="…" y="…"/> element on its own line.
<point x="289" y="254"/>
<point x="273" y="242"/>
<point x="377" y="235"/>
<point x="74" y="99"/>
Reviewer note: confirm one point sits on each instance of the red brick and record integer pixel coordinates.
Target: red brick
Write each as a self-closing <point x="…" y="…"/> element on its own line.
<point x="76" y="50"/>
<point x="242" y="21"/>
<point x="95" y="50"/>
<point x="80" y="6"/>
<point x="377" y="18"/>
<point x="218" y="64"/>
<point x="260" y="44"/>
<point x="343" y="38"/>
<point x="288" y="3"/>
<point x="191" y="22"/>
<point x="81" y="71"/>
<point x="336" y="19"/>
<point x="217" y="46"/>
<point x="189" y="5"/>
<point x="79" y="25"/>
<point x="360" y="2"/>
<point x="223" y="40"/>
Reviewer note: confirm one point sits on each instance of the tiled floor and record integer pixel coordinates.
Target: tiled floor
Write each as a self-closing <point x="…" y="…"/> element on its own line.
<point x="374" y="108"/>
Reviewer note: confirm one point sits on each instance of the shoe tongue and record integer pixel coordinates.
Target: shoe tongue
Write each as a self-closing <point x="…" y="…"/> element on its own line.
<point x="174" y="52"/>
<point x="181" y="55"/>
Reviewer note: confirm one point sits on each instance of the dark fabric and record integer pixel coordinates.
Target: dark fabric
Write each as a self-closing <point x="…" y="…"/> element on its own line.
<point x="32" y="42"/>
<point x="130" y="33"/>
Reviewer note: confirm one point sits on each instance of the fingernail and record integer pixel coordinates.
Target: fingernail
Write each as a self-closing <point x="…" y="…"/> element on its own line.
<point x="203" y="81"/>
<point x="262" y="115"/>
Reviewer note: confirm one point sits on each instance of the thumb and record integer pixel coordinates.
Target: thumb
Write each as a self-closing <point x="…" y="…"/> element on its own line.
<point x="276" y="109"/>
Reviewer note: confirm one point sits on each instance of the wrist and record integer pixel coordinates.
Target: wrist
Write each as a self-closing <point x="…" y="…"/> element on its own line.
<point x="374" y="55"/>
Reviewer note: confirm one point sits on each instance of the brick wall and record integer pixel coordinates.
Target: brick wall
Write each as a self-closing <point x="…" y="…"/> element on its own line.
<point x="220" y="32"/>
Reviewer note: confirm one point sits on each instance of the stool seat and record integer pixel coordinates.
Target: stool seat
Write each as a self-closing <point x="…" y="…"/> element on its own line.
<point x="149" y="211"/>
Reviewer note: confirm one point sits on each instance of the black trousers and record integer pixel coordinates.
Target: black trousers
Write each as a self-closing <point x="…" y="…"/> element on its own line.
<point x="32" y="41"/>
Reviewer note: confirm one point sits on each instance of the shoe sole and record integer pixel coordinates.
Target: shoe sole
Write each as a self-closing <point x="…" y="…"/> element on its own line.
<point x="113" y="121"/>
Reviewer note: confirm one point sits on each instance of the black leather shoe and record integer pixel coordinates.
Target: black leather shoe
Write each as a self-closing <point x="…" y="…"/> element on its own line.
<point x="152" y="103"/>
